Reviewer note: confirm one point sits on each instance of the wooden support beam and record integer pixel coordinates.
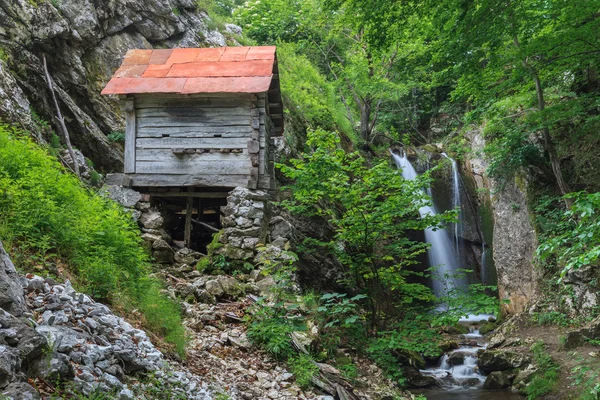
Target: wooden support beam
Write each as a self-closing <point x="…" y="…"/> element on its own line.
<point x="207" y="226"/>
<point x="128" y="107"/>
<point x="187" y="236"/>
<point x="197" y="195"/>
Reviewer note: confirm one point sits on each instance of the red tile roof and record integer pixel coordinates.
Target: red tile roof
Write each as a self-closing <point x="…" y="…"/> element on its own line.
<point x="188" y="71"/>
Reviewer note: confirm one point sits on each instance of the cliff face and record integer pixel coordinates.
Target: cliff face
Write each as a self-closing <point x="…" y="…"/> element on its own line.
<point x="84" y="42"/>
<point x="514" y="237"/>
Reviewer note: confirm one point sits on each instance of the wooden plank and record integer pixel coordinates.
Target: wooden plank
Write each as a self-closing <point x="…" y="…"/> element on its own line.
<point x="209" y="120"/>
<point x="162" y="154"/>
<point x="197" y="195"/>
<point x="130" y="129"/>
<point x="216" y="99"/>
<point x="187" y="233"/>
<point x="195" y="131"/>
<point x="201" y="180"/>
<point x="194" y="112"/>
<point x="170" y="167"/>
<point x="192" y="143"/>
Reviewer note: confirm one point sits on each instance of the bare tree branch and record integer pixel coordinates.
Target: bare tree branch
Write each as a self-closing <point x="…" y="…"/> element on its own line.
<point x="60" y="119"/>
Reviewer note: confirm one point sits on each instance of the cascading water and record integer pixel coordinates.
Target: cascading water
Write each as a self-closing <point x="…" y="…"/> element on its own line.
<point x="456" y="204"/>
<point x="442" y="253"/>
<point x="458" y="368"/>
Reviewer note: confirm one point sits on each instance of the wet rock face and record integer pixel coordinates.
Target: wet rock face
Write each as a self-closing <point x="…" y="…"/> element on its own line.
<point x="84" y="42"/>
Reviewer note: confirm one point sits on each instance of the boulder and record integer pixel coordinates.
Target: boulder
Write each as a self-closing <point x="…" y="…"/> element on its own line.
<point x="10" y="362"/>
<point x="500" y="360"/>
<point x="224" y="286"/>
<point x="409" y="358"/>
<point x="414" y="378"/>
<point x="187" y="256"/>
<point x="151" y="219"/>
<point x="499" y="380"/>
<point x="31" y="344"/>
<point x="124" y="196"/>
<point x="20" y="391"/>
<point x="11" y="292"/>
<point x="162" y="252"/>
<point x="53" y="367"/>
<point x="456" y="358"/>
<point x="524" y="377"/>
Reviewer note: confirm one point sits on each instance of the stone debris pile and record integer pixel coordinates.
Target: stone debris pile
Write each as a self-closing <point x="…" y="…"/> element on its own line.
<point x="68" y="337"/>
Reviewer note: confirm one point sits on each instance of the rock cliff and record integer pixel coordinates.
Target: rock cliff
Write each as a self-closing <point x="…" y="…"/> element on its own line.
<point x="514" y="237"/>
<point x="84" y="42"/>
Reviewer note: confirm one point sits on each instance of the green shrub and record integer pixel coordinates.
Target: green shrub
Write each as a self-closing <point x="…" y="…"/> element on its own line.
<point x="304" y="368"/>
<point x="116" y="137"/>
<point x="551" y="318"/>
<point x="576" y="242"/>
<point x="547" y="380"/>
<point x="50" y="216"/>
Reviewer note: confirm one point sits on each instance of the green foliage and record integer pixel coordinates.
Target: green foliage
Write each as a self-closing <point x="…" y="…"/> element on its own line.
<point x="4" y="57"/>
<point x="116" y="136"/>
<point x="307" y="94"/>
<point x="49" y="217"/>
<point x="551" y="318"/>
<point x="477" y="299"/>
<point x="544" y="382"/>
<point x="575" y="241"/>
<point x="304" y="368"/>
<point x="271" y="326"/>
<point x="372" y="210"/>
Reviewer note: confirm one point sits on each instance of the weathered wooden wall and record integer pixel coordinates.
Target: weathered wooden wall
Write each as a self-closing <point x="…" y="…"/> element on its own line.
<point x="199" y="141"/>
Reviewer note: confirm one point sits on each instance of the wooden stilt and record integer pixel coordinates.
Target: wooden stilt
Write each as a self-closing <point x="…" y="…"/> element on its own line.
<point x="187" y="236"/>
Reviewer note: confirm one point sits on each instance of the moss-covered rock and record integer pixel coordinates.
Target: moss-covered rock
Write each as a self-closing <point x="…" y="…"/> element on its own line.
<point x="487" y="328"/>
<point x="500" y="360"/>
<point x="500" y="379"/>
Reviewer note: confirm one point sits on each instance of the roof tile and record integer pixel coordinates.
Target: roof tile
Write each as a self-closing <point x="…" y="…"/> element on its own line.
<point x="180" y="56"/>
<point x="261" y="53"/>
<point x="210" y="54"/>
<point x="137" y="57"/>
<point x="234" y="54"/>
<point x="144" y="85"/>
<point x="227" y="85"/>
<point x="210" y="70"/>
<point x="222" y="69"/>
<point x="130" y="71"/>
<point x="160" y="56"/>
<point x="156" y="71"/>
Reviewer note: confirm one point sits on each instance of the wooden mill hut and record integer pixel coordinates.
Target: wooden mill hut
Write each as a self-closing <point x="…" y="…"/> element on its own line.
<point x="199" y="123"/>
<point x="200" y="117"/>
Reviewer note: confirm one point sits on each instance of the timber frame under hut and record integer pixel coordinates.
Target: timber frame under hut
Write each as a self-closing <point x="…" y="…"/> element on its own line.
<point x="199" y="122"/>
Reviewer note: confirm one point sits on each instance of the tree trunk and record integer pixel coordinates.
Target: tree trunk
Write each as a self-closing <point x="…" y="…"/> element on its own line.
<point x="365" y="119"/>
<point x="549" y="145"/>
<point x="563" y="187"/>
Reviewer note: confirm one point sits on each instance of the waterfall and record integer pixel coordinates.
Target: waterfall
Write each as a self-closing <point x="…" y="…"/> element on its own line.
<point x="456" y="204"/>
<point x="442" y="253"/>
<point x="483" y="250"/>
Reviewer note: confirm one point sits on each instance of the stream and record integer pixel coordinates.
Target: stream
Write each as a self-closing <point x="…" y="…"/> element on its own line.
<point x="457" y="371"/>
